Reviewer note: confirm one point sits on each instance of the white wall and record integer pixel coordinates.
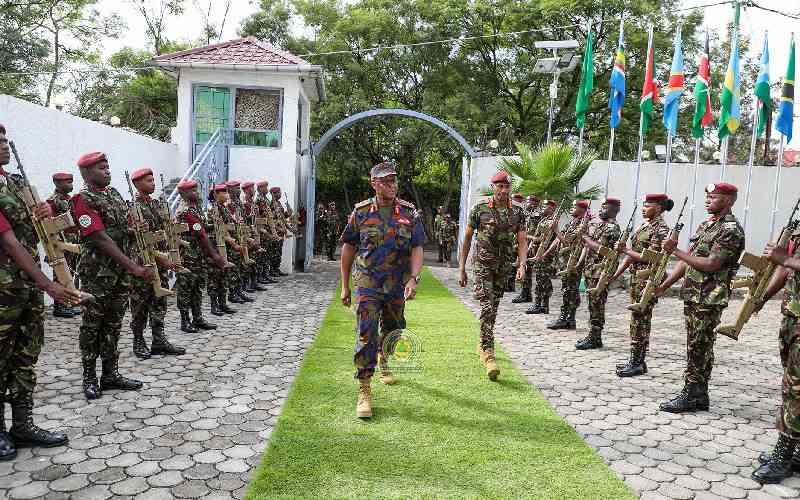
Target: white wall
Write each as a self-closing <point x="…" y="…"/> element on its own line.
<point x="622" y="180"/>
<point x="49" y="140"/>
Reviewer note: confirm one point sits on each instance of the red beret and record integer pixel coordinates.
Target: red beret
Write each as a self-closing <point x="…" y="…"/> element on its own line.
<point x="552" y="203"/>
<point x="612" y="201"/>
<point x="247" y="184"/>
<point x="90" y="159"/>
<point x="518" y="196"/>
<point x="187" y="185"/>
<point x="274" y="189"/>
<point x="582" y="203"/>
<point x="721" y="188"/>
<point x="142" y="172"/>
<point x="533" y="196"/>
<point x="232" y="184"/>
<point x="655" y="197"/>
<point x="62" y="176"/>
<point x="221" y="187"/>
<point x="501" y="176"/>
<point x="262" y="183"/>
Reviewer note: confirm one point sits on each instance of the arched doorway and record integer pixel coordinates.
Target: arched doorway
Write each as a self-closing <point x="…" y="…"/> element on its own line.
<point x="317" y="147"/>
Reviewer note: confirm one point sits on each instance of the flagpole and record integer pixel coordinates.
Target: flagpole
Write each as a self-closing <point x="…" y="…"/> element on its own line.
<point x="777" y="189"/>
<point x="750" y="162"/>
<point x="723" y="149"/>
<point x="639" y="159"/>
<point x="669" y="162"/>
<point x="580" y="142"/>
<point x="610" y="155"/>
<point x="693" y="194"/>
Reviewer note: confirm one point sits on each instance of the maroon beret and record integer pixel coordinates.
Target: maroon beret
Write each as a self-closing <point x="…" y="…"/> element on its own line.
<point x="501" y="176"/>
<point x="552" y="203"/>
<point x="655" y="197"/>
<point x="262" y="183"/>
<point x="221" y="187"/>
<point x="613" y="201"/>
<point x="142" y="172"/>
<point x="275" y="189"/>
<point x="62" y="176"/>
<point x="247" y="184"/>
<point x="517" y="196"/>
<point x="90" y="159"/>
<point x="233" y="184"/>
<point x="187" y="185"/>
<point x="582" y="203"/>
<point x="721" y="188"/>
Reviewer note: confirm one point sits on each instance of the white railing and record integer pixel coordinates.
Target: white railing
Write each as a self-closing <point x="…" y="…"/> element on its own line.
<point x="205" y="168"/>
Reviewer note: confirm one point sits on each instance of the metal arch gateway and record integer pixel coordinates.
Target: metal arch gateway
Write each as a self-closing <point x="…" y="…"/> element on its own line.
<point x="316" y="149"/>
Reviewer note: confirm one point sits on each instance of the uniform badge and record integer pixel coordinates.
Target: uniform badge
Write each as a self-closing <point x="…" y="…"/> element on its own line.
<point x="197" y="226"/>
<point x="85" y="220"/>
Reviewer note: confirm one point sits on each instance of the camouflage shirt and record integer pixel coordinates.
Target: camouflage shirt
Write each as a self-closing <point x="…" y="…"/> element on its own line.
<point x="569" y="233"/>
<point x="333" y="225"/>
<point x="497" y="229"/>
<point x="648" y="235"/>
<point x="607" y="233"/>
<point x="532" y="217"/>
<point x="723" y="237"/>
<point x="102" y="210"/>
<point x="14" y="210"/>
<point x="192" y="255"/>
<point x="791" y="295"/>
<point x="278" y="215"/>
<point x="383" y="245"/>
<point x="447" y="232"/>
<point x="59" y="203"/>
<point x="213" y="209"/>
<point x="544" y="225"/>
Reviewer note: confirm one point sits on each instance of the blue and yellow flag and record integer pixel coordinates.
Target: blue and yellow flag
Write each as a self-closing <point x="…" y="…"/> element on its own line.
<point x="764" y="102"/>
<point x="617" y="84"/>
<point x="730" y="115"/>
<point x="785" y="119"/>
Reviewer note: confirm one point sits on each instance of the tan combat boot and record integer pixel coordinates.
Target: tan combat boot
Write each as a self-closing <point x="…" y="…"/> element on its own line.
<point x="478" y="349"/>
<point x="364" y="405"/>
<point x="386" y="376"/>
<point x="492" y="370"/>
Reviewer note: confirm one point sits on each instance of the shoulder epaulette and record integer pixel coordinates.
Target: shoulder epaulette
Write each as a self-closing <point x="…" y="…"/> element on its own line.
<point x="362" y="204"/>
<point x="405" y="203"/>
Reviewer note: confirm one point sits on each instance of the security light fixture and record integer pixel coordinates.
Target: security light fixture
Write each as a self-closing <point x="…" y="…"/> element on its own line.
<point x="661" y="152"/>
<point x="561" y="62"/>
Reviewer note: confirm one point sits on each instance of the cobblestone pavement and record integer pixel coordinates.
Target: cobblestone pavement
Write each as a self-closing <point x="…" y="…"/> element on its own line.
<point x="198" y="427"/>
<point x="707" y="455"/>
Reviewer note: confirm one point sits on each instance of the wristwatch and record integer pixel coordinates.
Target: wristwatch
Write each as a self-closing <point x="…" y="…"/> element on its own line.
<point x="415" y="278"/>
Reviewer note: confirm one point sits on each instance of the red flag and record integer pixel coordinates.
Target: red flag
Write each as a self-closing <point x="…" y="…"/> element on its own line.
<point x="649" y="90"/>
<point x="704" y="73"/>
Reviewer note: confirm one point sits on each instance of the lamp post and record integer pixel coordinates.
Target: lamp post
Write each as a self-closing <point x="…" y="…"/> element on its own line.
<point x="556" y="65"/>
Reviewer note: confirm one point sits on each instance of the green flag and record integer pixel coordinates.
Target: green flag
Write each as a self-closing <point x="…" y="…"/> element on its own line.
<point x="587" y="82"/>
<point x="730" y="111"/>
<point x="762" y="90"/>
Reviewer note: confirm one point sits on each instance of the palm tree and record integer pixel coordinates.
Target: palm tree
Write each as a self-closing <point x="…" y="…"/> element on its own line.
<point x="552" y="172"/>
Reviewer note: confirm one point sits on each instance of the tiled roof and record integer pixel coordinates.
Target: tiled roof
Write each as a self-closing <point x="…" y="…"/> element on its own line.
<point x="248" y="50"/>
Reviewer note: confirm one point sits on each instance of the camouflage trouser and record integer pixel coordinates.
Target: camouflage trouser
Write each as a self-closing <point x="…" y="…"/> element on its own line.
<point x="701" y="320"/>
<point x="570" y="289"/>
<point x="490" y="285"/>
<point x="544" y="279"/>
<point x="788" y="418"/>
<point x="377" y="313"/>
<point x="233" y="276"/>
<point x="527" y="281"/>
<point x="189" y="287"/>
<point x="217" y="280"/>
<point x="640" y="321"/>
<point x="331" y="241"/>
<point x="102" y="317"/>
<point x="21" y="339"/>
<point x="597" y="308"/>
<point x="145" y="304"/>
<point x="246" y="270"/>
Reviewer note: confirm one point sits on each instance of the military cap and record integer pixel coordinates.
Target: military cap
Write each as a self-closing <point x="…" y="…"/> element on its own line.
<point x="581" y="203"/>
<point x="384" y="169"/>
<point x="221" y="187"/>
<point x="533" y="196"/>
<point x="233" y="184"/>
<point x="142" y="172"/>
<point x="246" y="185"/>
<point x="721" y="188"/>
<point x="90" y="159"/>
<point x="612" y="201"/>
<point x="262" y="183"/>
<point x="275" y="189"/>
<point x="62" y="176"/>
<point x="655" y="197"/>
<point x="517" y="196"/>
<point x="552" y="203"/>
<point x="187" y="185"/>
<point x="501" y="176"/>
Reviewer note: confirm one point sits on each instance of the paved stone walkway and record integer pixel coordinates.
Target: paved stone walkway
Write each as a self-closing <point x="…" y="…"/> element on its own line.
<point x="704" y="456"/>
<point x="198" y="427"/>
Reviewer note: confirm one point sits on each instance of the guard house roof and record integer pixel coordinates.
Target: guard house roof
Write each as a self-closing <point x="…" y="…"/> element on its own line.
<point x="246" y="54"/>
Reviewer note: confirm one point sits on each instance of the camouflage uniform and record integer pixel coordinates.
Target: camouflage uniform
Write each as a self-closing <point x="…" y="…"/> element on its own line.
<point x="705" y="295"/>
<point x="570" y="283"/>
<point x="383" y="239"/>
<point x="257" y="253"/>
<point x="606" y="233"/>
<point x="532" y="217"/>
<point x="264" y="259"/>
<point x="242" y="271"/>
<point x="437" y="222"/>
<point x="497" y="229"/>
<point x="544" y="270"/>
<point x="60" y="204"/>
<point x="319" y="231"/>
<point x="190" y="286"/>
<point x="276" y="250"/>
<point x="333" y="228"/>
<point x="788" y="418"/>
<point x="446" y="237"/>
<point x="221" y="282"/>
<point x="649" y="235"/>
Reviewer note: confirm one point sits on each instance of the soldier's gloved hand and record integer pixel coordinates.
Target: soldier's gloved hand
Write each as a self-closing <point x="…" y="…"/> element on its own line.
<point x="345" y="296"/>
<point x="462" y="278"/>
<point x="62" y="294"/>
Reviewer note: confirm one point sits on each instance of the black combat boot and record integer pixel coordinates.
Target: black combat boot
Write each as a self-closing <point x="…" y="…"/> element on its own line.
<point x="215" y="308"/>
<point x="636" y="364"/>
<point x="570" y="318"/>
<point x="61" y="311"/>
<point x="510" y="285"/>
<point x="7" y="449"/>
<point x="779" y="465"/>
<point x="243" y="296"/>
<point x="223" y="304"/>
<point x="592" y="341"/>
<point x="265" y="277"/>
<point x="91" y="389"/>
<point x="766" y="456"/>
<point x="534" y="309"/>
<point x="255" y="285"/>
<point x="111" y="379"/>
<point x="24" y="432"/>
<point x="140" y="349"/>
<point x="247" y="284"/>
<point x="692" y="398"/>
<point x="200" y="322"/>
<point x="162" y="345"/>
<point x="186" y="323"/>
<point x="560" y="323"/>
<point x="280" y="273"/>
<point x="233" y="297"/>
<point x="524" y="296"/>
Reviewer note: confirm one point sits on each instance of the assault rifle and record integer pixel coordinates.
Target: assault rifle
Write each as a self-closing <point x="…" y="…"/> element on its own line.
<point x="254" y="226"/>
<point x="281" y="220"/>
<point x="757" y="284"/>
<point x="242" y="234"/>
<point x="658" y="266"/>
<point x="49" y="230"/>
<point x="173" y="230"/>
<point x="269" y="222"/>
<point x="146" y="244"/>
<point x="221" y="230"/>
<point x="550" y="230"/>
<point x="577" y="254"/>
<point x="611" y="258"/>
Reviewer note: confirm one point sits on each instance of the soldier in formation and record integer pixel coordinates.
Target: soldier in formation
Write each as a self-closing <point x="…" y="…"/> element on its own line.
<point x="59" y="204"/>
<point x="280" y="216"/>
<point x="257" y="249"/>
<point x="499" y="223"/>
<point x="544" y="268"/>
<point x="383" y="237"/>
<point x="270" y="238"/>
<point x="319" y="228"/>
<point x="333" y="229"/>
<point x="446" y="237"/>
<point x="533" y="215"/>
<point x="437" y="222"/>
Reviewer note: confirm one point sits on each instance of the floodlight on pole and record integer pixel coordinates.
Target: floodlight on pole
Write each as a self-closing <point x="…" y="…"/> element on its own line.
<point x="564" y="62"/>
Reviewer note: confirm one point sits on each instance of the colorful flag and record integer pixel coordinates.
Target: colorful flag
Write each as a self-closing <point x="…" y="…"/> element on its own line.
<point x="702" y="94"/>
<point x="675" y="86"/>
<point x="784" y="122"/>
<point x="649" y="89"/>
<point x="730" y="111"/>
<point x="617" y="83"/>
<point x="587" y="82"/>
<point x="764" y="102"/>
